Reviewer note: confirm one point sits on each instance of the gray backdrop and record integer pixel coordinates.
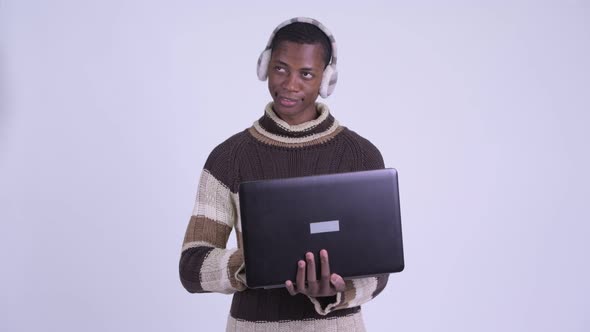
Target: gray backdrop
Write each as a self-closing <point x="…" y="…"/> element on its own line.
<point x="108" y="110"/>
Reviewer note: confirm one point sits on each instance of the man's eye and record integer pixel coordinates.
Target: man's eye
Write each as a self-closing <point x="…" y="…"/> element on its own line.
<point x="307" y="75"/>
<point x="279" y="69"/>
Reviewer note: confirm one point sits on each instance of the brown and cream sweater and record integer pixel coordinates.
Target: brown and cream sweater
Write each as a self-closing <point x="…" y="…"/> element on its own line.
<point x="270" y="149"/>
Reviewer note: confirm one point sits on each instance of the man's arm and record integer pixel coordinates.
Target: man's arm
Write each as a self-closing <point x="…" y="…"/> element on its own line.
<point x="205" y="263"/>
<point x="362" y="156"/>
<point x="357" y="292"/>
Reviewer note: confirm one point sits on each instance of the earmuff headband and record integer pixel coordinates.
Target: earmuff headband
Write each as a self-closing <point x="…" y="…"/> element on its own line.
<point x="330" y="76"/>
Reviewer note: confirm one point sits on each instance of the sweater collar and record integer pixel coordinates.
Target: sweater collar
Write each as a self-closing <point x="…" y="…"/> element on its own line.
<point x="271" y="129"/>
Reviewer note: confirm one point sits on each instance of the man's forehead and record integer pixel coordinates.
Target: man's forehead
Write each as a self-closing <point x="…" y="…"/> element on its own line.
<point x="287" y="50"/>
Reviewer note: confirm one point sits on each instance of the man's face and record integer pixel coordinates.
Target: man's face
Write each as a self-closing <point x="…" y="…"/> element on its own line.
<point x="294" y="77"/>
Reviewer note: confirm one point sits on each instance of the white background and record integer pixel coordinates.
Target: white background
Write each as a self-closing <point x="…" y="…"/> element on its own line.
<point x="108" y="110"/>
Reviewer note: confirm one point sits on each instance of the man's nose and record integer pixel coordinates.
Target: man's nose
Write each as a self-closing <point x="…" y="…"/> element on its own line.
<point x="291" y="83"/>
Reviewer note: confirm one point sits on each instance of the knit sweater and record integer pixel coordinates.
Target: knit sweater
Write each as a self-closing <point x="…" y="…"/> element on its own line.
<point x="271" y="149"/>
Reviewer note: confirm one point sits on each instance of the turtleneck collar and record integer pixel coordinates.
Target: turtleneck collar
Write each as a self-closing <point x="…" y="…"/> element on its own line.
<point x="272" y="130"/>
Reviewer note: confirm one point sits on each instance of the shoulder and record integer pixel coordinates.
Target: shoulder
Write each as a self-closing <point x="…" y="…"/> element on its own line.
<point x="226" y="149"/>
<point x="355" y="139"/>
<point x="221" y="162"/>
<point x="362" y="150"/>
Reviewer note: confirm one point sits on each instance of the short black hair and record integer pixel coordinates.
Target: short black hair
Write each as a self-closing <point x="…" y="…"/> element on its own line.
<point x="304" y="33"/>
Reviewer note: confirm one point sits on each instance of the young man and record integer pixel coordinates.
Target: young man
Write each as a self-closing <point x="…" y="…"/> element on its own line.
<point x="294" y="137"/>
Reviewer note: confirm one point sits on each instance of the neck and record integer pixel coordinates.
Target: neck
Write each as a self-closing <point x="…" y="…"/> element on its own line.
<point x="297" y="119"/>
<point x="293" y="121"/>
<point x="272" y="130"/>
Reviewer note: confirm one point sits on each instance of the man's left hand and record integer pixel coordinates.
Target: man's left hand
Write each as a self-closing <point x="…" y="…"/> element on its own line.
<point x="306" y="279"/>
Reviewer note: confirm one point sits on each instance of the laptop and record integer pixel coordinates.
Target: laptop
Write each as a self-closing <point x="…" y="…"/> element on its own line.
<point x="355" y="216"/>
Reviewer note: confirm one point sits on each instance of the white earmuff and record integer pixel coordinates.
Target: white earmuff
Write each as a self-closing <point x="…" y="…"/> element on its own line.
<point x="329" y="80"/>
<point x="263" y="61"/>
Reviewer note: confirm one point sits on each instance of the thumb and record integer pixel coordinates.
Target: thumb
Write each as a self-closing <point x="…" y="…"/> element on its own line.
<point x="338" y="283"/>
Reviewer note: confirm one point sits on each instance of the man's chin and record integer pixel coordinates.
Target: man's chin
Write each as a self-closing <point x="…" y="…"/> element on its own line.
<point x="282" y="113"/>
<point x="286" y="114"/>
<point x="281" y="109"/>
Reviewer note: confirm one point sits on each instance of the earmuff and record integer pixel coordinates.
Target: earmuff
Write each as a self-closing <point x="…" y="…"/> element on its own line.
<point x="330" y="76"/>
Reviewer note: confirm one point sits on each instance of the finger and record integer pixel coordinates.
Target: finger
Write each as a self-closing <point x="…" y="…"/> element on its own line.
<point x="290" y="288"/>
<point x="325" y="264"/>
<point x="324" y="271"/>
<point x="312" y="284"/>
<point x="337" y="282"/>
<point x="313" y="288"/>
<point x="301" y="277"/>
<point x="311" y="274"/>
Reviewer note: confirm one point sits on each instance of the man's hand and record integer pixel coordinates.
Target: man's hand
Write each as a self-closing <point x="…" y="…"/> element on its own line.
<point x="328" y="285"/>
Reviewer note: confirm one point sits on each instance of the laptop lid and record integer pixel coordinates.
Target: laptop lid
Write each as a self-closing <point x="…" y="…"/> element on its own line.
<point x="354" y="216"/>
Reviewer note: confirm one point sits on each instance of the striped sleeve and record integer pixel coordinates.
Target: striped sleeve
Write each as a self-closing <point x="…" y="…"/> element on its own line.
<point x="205" y="264"/>
<point x="357" y="292"/>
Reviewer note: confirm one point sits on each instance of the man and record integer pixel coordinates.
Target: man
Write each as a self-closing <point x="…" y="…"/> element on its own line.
<point x="295" y="137"/>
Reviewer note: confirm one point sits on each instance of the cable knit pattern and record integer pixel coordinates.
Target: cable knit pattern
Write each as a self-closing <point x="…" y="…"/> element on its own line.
<point x="271" y="149"/>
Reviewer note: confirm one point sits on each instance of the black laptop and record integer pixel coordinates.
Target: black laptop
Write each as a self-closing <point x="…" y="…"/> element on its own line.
<point x="354" y="216"/>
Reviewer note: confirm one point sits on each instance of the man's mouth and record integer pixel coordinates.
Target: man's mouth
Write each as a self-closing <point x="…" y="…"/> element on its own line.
<point x="287" y="102"/>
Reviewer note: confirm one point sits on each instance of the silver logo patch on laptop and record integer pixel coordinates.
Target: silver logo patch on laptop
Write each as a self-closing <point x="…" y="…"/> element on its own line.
<point x="324" y="226"/>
